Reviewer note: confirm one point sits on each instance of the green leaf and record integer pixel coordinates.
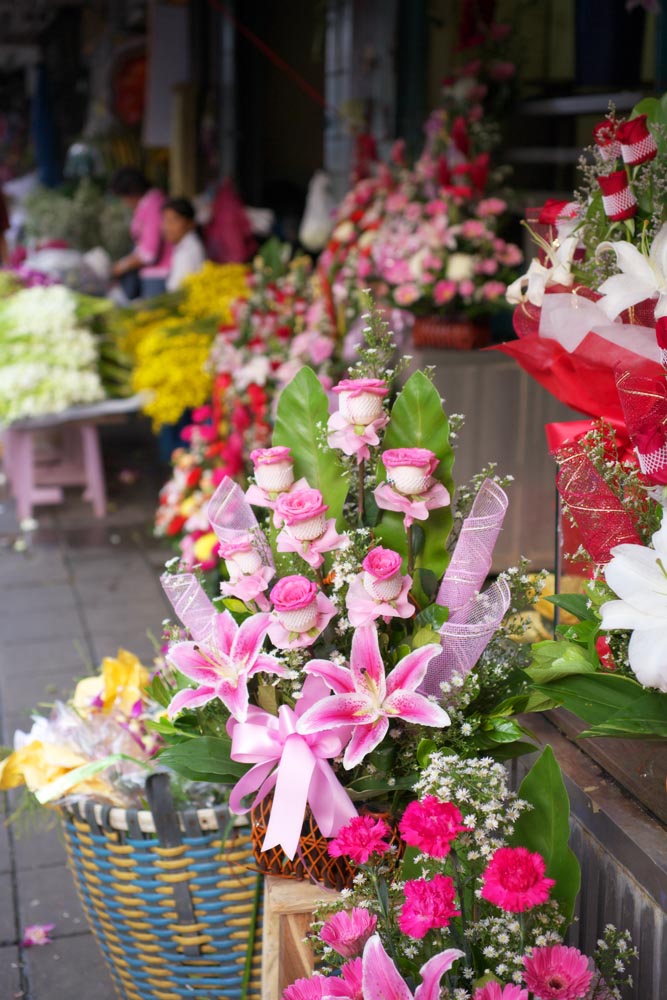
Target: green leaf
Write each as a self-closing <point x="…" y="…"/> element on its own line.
<point x="205" y="758"/>
<point x="554" y="659"/>
<point x="377" y="785"/>
<point x="508" y="751"/>
<point x="594" y="697"/>
<point x="434" y="615"/>
<point x="409" y="868"/>
<point x="425" y="748"/>
<point x="424" y="637"/>
<point x="644" y="718"/>
<point x="429" y="582"/>
<point x="576" y="604"/>
<point x="419" y="421"/>
<point x="302" y="405"/>
<point x="546" y="828"/>
<point x="502" y="730"/>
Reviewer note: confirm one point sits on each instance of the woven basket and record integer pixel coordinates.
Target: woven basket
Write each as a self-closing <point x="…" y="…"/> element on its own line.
<point x="174" y="909"/>
<point x="452" y="335"/>
<point x="312" y="861"/>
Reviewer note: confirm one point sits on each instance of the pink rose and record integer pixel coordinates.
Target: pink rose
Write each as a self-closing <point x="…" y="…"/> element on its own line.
<point x="303" y="511"/>
<point x="383" y="578"/>
<point x="409" y="470"/>
<point x="274" y="471"/>
<point x="242" y="554"/>
<point x="361" y="399"/>
<point x="295" y="601"/>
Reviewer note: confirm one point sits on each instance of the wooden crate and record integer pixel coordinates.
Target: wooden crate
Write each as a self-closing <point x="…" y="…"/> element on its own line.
<point x="288" y="912"/>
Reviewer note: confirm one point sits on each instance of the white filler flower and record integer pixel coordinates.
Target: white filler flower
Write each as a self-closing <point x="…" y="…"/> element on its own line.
<point x="638" y="575"/>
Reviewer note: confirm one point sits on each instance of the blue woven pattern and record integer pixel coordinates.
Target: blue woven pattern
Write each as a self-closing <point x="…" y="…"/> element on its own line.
<point x="127" y="888"/>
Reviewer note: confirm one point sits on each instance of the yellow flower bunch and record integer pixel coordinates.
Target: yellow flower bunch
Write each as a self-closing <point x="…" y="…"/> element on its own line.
<point x="171" y="368"/>
<point x="212" y="290"/>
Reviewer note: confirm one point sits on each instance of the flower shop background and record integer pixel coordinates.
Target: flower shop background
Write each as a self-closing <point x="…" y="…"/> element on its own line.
<point x="76" y="588"/>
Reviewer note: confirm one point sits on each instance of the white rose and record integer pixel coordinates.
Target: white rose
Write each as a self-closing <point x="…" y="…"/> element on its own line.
<point x="460" y="266"/>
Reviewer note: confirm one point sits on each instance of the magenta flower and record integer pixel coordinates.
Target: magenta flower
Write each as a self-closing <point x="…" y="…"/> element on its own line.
<point x="359" y="839"/>
<point x="557" y="973"/>
<point x="223" y="664"/>
<point x="348" y="931"/>
<point x="381" y="979"/>
<point x="37" y="935"/>
<point x="363" y="607"/>
<point x="429" y="904"/>
<point x="495" y="991"/>
<point x="307" y="989"/>
<point x="410" y="488"/>
<point x="432" y="826"/>
<point x="367" y="699"/>
<point x="515" y="880"/>
<point x="350" y="983"/>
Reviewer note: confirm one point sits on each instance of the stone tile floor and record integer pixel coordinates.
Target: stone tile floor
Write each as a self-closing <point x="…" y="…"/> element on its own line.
<point x="79" y="589"/>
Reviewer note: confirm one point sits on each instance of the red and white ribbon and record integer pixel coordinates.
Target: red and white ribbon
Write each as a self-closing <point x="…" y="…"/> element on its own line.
<point x="617" y="196"/>
<point x="639" y="152"/>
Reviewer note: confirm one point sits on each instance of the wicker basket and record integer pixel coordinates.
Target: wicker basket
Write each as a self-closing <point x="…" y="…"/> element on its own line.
<point x="174" y="909"/>
<point x="449" y="334"/>
<point x="312" y="861"/>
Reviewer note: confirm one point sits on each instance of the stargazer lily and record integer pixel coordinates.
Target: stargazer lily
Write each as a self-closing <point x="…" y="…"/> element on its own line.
<point x="367" y="699"/>
<point x="223" y="664"/>
<point x="381" y="979"/>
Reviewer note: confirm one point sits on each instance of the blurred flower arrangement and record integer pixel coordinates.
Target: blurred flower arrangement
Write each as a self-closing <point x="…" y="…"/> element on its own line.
<point x="283" y="325"/>
<point x="169" y="340"/>
<point x="97" y="744"/>
<point x="427" y="238"/>
<point x="380" y="641"/>
<point x="49" y="356"/>
<point x="477" y="906"/>
<point x="82" y="218"/>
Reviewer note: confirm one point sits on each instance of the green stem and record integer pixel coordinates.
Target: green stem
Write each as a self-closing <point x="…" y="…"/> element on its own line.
<point x="360" y="489"/>
<point x="411" y="554"/>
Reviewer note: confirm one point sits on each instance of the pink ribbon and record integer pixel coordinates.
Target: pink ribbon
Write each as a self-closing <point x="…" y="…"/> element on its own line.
<point x="295" y="766"/>
<point x="473" y="617"/>
<point x="190" y="603"/>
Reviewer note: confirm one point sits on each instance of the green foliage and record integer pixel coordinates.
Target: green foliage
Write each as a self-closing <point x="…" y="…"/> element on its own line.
<point x="418" y="421"/>
<point x="556" y="658"/>
<point x="546" y="828"/>
<point x="204" y="758"/>
<point x="301" y="420"/>
<point x="612" y="705"/>
<point x="575" y="604"/>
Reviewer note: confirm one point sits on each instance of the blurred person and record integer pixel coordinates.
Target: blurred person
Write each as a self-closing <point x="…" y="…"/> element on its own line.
<point x="180" y="231"/>
<point x="144" y="270"/>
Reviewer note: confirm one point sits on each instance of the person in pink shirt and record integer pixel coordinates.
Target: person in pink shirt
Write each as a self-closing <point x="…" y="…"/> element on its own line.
<point x="144" y="270"/>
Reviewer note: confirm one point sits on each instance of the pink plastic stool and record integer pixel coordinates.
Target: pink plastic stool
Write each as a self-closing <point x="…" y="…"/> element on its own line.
<point x="36" y="478"/>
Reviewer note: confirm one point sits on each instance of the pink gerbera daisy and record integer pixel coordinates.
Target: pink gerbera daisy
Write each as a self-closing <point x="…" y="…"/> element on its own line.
<point x="306" y="989"/>
<point x="496" y="991"/>
<point x="557" y="973"/>
<point x="360" y="838"/>
<point x="432" y="825"/>
<point x="515" y="880"/>
<point x="348" y="931"/>
<point x="428" y="904"/>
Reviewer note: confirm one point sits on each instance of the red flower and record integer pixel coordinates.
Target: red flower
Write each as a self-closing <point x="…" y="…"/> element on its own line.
<point x="460" y="136"/>
<point x="515" y="880"/>
<point x="617" y="197"/>
<point x="428" y="904"/>
<point x="193" y="478"/>
<point x="661" y="332"/>
<point x="637" y="143"/>
<point x="359" y="839"/>
<point x="553" y="210"/>
<point x="606" y="139"/>
<point x="432" y="826"/>
<point x="175" y="525"/>
<point x="603" y="649"/>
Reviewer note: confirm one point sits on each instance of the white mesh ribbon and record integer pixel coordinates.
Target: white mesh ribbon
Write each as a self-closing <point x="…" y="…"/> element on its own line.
<point x="230" y="515"/>
<point x="473" y="617"/>
<point x="190" y="603"/>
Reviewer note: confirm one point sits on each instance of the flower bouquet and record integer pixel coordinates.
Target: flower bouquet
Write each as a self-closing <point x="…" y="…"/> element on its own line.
<point x="477" y="907"/>
<point x="590" y="302"/>
<point x="380" y="638"/>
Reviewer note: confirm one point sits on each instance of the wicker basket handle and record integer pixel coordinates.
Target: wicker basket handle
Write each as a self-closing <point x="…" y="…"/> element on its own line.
<point x="169" y="834"/>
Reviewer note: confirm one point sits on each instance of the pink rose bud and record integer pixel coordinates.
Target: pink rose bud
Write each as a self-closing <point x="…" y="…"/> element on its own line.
<point x="617" y="196"/>
<point x="304" y="513"/>
<point x="295" y="601"/>
<point x="361" y="399"/>
<point x="242" y="554"/>
<point x="637" y="143"/>
<point x="274" y="471"/>
<point x="382" y="577"/>
<point x="409" y="470"/>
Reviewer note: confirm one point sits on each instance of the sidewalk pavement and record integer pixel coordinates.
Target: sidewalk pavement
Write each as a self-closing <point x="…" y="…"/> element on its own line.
<point x="81" y="589"/>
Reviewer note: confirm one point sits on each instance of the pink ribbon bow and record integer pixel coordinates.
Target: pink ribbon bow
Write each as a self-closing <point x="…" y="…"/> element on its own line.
<point x="295" y="766"/>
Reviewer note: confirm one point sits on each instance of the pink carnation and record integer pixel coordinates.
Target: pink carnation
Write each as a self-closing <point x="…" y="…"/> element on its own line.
<point x="432" y="826"/>
<point x="491" y="206"/>
<point x="348" y="931"/>
<point x="428" y="905"/>
<point x="407" y="293"/>
<point x="444" y="292"/>
<point x="466" y="288"/>
<point x="515" y="880"/>
<point x="493" y="290"/>
<point x="495" y="991"/>
<point x="557" y="973"/>
<point x="359" y="839"/>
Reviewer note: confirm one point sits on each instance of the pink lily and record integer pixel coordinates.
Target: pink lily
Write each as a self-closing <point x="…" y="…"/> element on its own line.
<point x="381" y="979"/>
<point x="223" y="664"/>
<point x="367" y="700"/>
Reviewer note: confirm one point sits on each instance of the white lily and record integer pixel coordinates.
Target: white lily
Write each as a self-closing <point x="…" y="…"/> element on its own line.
<point x="643" y="276"/>
<point x="532" y="285"/>
<point x="638" y="575"/>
